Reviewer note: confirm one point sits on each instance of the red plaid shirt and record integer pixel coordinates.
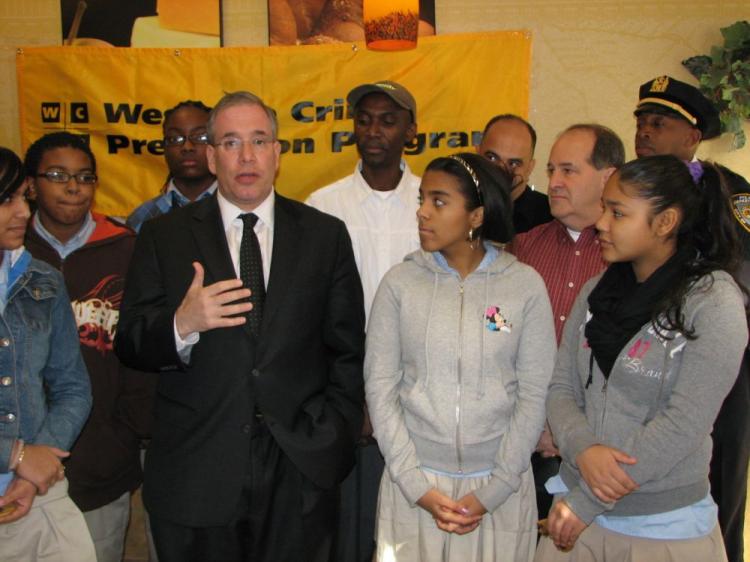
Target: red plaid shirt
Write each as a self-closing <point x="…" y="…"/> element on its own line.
<point x="564" y="264"/>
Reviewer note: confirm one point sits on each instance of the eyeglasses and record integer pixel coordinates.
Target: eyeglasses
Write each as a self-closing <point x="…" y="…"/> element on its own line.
<point x="179" y="140"/>
<point x="86" y="178"/>
<point x="234" y="144"/>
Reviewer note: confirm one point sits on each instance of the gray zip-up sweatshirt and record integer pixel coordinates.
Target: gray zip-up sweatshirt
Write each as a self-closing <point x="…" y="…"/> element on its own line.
<point x="658" y="405"/>
<point x="456" y="372"/>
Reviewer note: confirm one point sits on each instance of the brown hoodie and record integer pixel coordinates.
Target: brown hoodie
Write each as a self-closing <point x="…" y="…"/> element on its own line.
<point x="105" y="461"/>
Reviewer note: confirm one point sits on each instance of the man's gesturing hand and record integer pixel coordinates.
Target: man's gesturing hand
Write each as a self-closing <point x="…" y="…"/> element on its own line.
<point x="206" y="308"/>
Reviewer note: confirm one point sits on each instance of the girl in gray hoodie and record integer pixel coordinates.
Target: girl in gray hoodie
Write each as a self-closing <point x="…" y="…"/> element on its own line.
<point x="460" y="350"/>
<point x="651" y="349"/>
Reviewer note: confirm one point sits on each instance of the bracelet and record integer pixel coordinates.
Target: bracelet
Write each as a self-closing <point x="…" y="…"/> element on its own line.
<point x="21" y="454"/>
<point x="19" y="457"/>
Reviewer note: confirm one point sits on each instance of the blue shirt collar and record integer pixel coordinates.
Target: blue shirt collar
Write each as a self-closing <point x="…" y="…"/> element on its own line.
<point x="174" y="197"/>
<point x="76" y="242"/>
<point x="15" y="262"/>
<point x="490" y="254"/>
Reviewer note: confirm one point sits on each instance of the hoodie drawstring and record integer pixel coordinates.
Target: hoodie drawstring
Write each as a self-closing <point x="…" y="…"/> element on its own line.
<point x="480" y="386"/>
<point x="427" y="331"/>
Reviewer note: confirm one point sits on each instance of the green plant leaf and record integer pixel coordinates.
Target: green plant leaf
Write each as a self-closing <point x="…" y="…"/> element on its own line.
<point x="739" y="107"/>
<point x="736" y="35"/>
<point x="741" y="54"/>
<point x="727" y="94"/>
<point x="718" y="56"/>
<point x="697" y="65"/>
<point x="724" y="78"/>
<point x="730" y="123"/>
<point x="739" y="140"/>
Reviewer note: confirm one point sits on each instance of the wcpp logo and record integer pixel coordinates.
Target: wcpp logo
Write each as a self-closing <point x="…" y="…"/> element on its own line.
<point x="55" y="112"/>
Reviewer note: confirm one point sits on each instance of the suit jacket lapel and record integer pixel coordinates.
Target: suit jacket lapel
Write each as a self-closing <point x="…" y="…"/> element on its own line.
<point x="286" y="248"/>
<point x="208" y="230"/>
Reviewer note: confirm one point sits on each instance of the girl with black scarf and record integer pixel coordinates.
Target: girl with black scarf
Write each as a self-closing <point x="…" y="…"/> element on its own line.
<point x="650" y="350"/>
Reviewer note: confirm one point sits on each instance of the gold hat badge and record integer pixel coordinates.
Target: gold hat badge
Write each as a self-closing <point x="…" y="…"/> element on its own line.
<point x="660" y="84"/>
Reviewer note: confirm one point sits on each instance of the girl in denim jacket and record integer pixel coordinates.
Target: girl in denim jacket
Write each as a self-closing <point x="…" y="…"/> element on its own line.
<point x="44" y="393"/>
<point x="651" y="349"/>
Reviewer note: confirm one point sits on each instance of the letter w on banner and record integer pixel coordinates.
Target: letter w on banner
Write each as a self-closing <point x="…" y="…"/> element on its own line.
<point x="117" y="98"/>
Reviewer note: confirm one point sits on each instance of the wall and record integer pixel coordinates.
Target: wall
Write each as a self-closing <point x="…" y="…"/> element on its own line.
<point x="589" y="56"/>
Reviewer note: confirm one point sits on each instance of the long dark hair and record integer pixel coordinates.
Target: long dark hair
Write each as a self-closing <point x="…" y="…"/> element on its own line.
<point x="706" y="235"/>
<point x="12" y="173"/>
<point x="492" y="192"/>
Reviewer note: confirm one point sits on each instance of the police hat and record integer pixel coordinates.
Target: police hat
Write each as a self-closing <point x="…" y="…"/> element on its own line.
<point x="393" y="90"/>
<point x="668" y="96"/>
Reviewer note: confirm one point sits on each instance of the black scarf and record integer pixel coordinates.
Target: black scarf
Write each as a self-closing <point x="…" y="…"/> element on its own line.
<point x="621" y="306"/>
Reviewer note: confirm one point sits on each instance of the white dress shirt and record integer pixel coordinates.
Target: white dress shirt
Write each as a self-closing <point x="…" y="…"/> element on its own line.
<point x="233" y="227"/>
<point x="381" y="224"/>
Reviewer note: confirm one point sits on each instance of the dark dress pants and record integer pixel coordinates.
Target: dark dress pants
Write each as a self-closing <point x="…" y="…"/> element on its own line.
<point x="358" y="508"/>
<point x="281" y="517"/>
<point x="729" y="462"/>
<point x="543" y="468"/>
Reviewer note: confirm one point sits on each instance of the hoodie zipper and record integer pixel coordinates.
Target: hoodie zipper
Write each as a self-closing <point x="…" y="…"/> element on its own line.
<point x="460" y="381"/>
<point x="604" y="408"/>
<point x="600" y="428"/>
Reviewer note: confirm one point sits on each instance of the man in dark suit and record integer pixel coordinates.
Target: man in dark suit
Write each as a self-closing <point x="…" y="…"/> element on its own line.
<point x="673" y="118"/>
<point x="259" y="403"/>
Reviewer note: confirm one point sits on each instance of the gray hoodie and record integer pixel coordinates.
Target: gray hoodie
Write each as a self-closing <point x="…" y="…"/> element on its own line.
<point x="658" y="405"/>
<point x="449" y="388"/>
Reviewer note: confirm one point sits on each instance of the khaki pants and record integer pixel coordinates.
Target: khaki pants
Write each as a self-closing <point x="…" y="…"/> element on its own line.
<point x="107" y="526"/>
<point x="409" y="534"/>
<point x="52" y="531"/>
<point x="598" y="544"/>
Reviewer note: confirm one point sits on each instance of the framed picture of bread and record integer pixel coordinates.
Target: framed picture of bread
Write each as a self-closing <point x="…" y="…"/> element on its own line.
<point x="311" y="22"/>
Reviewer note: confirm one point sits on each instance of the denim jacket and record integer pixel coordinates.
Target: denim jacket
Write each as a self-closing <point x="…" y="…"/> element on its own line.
<point x="45" y="394"/>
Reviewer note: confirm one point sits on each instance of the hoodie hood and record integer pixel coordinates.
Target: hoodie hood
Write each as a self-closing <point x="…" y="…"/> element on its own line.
<point x="429" y="261"/>
<point x="107" y="228"/>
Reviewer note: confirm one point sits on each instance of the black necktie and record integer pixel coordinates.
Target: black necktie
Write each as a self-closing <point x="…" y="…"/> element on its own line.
<point x="251" y="271"/>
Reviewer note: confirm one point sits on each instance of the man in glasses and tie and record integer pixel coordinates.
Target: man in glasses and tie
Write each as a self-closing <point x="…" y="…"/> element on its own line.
<point x="185" y="143"/>
<point x="250" y="307"/>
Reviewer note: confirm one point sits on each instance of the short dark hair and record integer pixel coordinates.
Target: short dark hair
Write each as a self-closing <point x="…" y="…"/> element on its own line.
<point x="51" y="141"/>
<point x="512" y="117"/>
<point x="197" y="104"/>
<point x="12" y="173"/>
<point x="241" y="97"/>
<point x="495" y="185"/>
<point x="608" y="151"/>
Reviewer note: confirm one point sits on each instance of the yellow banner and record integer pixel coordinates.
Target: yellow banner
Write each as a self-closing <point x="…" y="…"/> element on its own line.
<point x="117" y="97"/>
